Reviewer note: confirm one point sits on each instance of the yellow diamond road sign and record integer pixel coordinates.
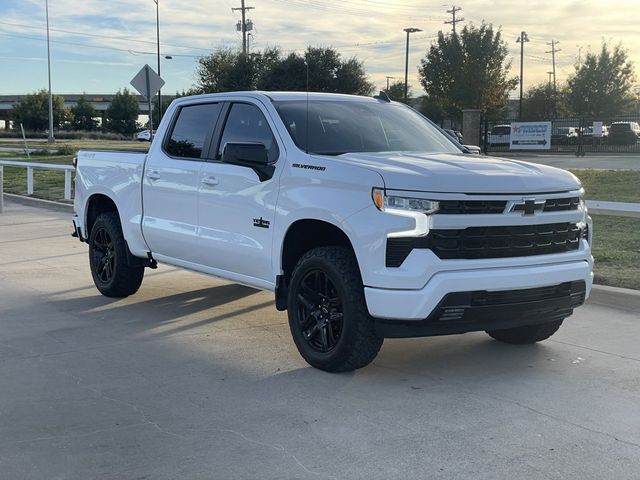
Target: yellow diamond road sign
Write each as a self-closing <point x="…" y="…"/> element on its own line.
<point x="147" y="82"/>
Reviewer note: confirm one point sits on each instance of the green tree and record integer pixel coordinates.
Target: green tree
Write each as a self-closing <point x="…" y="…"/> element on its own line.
<point x="227" y="70"/>
<point x="83" y="115"/>
<point x="122" y="114"/>
<point x="32" y="111"/>
<point x="468" y="70"/>
<point x="230" y="70"/>
<point x="603" y="83"/>
<point x="396" y="91"/>
<point x="541" y="102"/>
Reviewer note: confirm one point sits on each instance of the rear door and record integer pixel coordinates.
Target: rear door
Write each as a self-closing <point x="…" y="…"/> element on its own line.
<point x="236" y="209"/>
<point x="171" y="181"/>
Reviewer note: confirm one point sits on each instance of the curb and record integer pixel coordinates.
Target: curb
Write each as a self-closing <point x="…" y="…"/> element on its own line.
<point x="38" y="202"/>
<point x="616" y="297"/>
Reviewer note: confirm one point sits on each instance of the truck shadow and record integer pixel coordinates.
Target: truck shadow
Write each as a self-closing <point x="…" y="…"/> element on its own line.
<point x="206" y="305"/>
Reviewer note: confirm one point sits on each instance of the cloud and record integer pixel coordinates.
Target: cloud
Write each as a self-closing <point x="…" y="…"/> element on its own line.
<point x="368" y="29"/>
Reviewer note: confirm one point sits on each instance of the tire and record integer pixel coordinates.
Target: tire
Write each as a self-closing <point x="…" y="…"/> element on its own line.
<point x="328" y="316"/>
<point x="526" y="334"/>
<point x="108" y="255"/>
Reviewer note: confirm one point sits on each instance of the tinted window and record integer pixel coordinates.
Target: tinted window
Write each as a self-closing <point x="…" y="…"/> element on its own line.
<point x="246" y="124"/>
<point x="192" y="127"/>
<point x="336" y="127"/>
<point x="621" y="127"/>
<point x="501" y="131"/>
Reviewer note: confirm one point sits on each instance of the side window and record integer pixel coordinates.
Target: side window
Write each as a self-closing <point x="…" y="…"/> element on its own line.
<point x="246" y="124"/>
<point x="194" y="124"/>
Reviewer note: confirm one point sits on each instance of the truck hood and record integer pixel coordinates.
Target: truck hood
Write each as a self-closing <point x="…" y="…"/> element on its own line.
<point x="462" y="173"/>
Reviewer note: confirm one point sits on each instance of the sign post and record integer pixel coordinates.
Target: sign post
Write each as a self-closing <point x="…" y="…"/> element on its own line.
<point x="148" y="83"/>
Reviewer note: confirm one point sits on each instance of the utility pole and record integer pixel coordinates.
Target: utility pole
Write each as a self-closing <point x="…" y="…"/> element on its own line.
<point x="454" y="20"/>
<point x="553" y="51"/>
<point x="406" y="61"/>
<point x="388" y="78"/>
<point x="243" y="25"/>
<point x="158" y="47"/>
<point x="549" y="73"/>
<point x="50" y="138"/>
<point x="522" y="39"/>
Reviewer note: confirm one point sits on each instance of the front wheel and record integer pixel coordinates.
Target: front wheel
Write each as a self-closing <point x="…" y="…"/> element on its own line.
<point x="110" y="270"/>
<point x="526" y="334"/>
<point x="328" y="316"/>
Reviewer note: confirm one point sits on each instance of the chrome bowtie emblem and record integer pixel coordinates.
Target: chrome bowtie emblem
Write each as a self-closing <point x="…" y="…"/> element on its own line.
<point x="528" y="206"/>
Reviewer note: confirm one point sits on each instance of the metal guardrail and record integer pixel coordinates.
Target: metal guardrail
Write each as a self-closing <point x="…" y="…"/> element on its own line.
<point x="31" y="166"/>
<point x="616" y="209"/>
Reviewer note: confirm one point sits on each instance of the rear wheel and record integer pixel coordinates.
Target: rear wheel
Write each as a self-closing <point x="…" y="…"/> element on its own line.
<point x="527" y="333"/>
<point x="111" y="273"/>
<point x="328" y="316"/>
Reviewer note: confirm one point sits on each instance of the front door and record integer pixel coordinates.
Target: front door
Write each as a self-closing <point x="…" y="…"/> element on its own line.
<point x="236" y="209"/>
<point x="171" y="181"/>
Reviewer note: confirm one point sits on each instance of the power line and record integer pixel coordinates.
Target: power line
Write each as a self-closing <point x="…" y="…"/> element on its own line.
<point x="453" y="20"/>
<point x="96" y="35"/>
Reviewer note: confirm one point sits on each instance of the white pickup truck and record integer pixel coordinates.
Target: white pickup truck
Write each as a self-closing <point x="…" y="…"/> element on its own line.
<point x="364" y="219"/>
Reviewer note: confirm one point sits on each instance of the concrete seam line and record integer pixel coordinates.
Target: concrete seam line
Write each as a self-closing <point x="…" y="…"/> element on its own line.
<point x="38" y="202"/>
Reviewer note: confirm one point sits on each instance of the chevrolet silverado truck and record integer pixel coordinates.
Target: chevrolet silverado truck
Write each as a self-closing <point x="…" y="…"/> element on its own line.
<point x="365" y="220"/>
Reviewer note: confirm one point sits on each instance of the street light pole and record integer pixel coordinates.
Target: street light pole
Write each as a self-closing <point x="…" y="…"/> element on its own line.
<point x="522" y="39"/>
<point x="406" y="61"/>
<point x="50" y="138"/>
<point x="158" y="45"/>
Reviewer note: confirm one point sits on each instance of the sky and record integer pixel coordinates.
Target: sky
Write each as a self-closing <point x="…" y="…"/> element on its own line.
<point x="98" y="46"/>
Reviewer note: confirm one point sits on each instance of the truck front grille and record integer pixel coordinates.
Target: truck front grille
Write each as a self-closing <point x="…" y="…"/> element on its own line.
<point x="478" y="207"/>
<point x="489" y="242"/>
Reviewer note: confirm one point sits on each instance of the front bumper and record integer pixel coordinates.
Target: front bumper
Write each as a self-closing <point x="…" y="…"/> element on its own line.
<point x="485" y="310"/>
<point x="418" y="304"/>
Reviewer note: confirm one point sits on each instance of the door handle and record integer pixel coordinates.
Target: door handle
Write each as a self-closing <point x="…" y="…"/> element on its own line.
<point x="210" y="181"/>
<point x="153" y="175"/>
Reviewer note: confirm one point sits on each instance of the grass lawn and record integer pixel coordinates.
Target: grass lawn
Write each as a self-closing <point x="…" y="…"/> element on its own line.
<point x="616" y="244"/>
<point x="611" y="185"/>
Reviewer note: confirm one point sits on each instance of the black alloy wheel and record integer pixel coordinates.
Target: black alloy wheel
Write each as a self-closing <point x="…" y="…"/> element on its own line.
<point x="319" y="311"/>
<point x="103" y="256"/>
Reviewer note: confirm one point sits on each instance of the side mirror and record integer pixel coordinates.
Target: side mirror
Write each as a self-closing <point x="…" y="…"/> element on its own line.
<point x="251" y="155"/>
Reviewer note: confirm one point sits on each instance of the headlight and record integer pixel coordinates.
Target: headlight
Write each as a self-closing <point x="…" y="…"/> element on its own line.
<point x="390" y="203"/>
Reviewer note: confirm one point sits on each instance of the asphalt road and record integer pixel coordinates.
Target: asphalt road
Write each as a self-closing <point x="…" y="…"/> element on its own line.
<point x="630" y="161"/>
<point x="195" y="378"/>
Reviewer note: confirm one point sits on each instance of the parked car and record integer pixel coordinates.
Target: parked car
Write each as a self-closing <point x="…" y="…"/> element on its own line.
<point x="588" y="138"/>
<point x="624" y="133"/>
<point x="564" y="136"/>
<point x="455" y="134"/>
<point x="499" y="135"/>
<point x="144" y="136"/>
<point x="364" y="219"/>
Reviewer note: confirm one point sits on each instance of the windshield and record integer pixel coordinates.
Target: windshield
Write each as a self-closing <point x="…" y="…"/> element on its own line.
<point x="501" y="130"/>
<point x="621" y="127"/>
<point x="337" y="127"/>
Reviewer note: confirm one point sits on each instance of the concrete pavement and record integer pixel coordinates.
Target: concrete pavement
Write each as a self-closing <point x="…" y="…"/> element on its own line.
<point x="196" y="378"/>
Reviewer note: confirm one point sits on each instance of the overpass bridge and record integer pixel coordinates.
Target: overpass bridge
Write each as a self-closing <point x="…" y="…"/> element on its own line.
<point x="100" y="103"/>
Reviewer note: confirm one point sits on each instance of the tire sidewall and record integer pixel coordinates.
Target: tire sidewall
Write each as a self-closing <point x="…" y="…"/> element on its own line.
<point x="104" y="222"/>
<point x="349" y="307"/>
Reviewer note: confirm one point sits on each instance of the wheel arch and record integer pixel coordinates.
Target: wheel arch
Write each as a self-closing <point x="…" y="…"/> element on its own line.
<point x="302" y="236"/>
<point x="98" y="203"/>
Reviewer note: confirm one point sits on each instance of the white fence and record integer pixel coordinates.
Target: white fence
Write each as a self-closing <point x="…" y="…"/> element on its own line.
<point x="596" y="207"/>
<point x="31" y="166"/>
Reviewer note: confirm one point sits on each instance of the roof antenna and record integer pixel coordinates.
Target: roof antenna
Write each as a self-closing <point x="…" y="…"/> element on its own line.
<point x="382" y="96"/>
